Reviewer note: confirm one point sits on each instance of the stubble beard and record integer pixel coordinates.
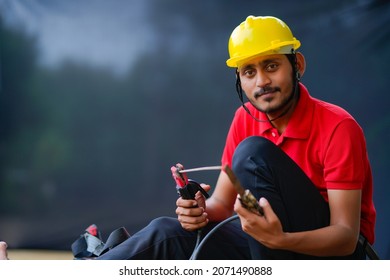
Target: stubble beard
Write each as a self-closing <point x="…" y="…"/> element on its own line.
<point x="269" y="109"/>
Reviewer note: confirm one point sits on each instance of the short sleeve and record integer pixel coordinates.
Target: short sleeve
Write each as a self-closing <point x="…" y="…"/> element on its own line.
<point x="344" y="166"/>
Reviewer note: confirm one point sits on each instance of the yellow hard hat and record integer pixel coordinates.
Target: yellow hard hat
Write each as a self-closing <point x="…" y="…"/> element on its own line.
<point x="260" y="36"/>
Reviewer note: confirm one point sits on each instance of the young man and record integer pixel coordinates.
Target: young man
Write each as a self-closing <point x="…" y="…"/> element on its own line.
<point x="305" y="160"/>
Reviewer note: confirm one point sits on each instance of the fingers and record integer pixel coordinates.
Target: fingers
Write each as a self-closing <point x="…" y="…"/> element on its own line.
<point x="186" y="203"/>
<point x="191" y="223"/>
<point x="190" y="215"/>
<point x="263" y="202"/>
<point x="3" y="251"/>
<point x="269" y="214"/>
<point x="241" y="210"/>
<point x="191" y="212"/>
<point x="206" y="187"/>
<point x="238" y="208"/>
<point x="193" y="227"/>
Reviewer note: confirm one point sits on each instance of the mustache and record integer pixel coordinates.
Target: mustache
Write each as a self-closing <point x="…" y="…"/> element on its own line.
<point x="265" y="90"/>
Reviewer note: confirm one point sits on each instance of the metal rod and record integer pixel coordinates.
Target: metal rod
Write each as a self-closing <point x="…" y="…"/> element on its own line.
<point x="204" y="168"/>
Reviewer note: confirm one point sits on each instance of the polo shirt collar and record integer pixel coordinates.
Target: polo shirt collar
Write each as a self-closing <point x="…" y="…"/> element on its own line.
<point x="301" y="120"/>
<point x="264" y="124"/>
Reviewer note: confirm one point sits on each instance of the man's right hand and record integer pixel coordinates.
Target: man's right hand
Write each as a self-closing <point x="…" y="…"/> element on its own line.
<point x="191" y="213"/>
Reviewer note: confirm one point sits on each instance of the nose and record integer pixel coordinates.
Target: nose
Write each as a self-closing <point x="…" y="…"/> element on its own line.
<point x="262" y="79"/>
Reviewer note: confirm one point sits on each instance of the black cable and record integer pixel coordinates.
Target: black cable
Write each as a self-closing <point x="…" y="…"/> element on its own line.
<point x="198" y="239"/>
<point x="197" y="249"/>
<point x="369" y="250"/>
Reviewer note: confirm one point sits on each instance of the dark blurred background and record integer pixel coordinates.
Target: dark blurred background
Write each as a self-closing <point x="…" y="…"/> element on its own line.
<point x="98" y="99"/>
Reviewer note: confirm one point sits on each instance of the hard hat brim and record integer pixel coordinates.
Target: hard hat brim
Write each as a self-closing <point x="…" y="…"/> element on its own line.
<point x="281" y="48"/>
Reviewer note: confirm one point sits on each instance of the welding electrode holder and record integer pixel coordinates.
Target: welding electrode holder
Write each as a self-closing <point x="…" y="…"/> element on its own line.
<point x="189" y="190"/>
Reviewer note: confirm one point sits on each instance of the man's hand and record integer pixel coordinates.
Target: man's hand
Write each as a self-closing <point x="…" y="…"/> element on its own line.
<point x="191" y="213"/>
<point x="266" y="229"/>
<point x="3" y="251"/>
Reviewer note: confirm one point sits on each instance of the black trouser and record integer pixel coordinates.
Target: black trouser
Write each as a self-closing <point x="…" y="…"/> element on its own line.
<point x="268" y="172"/>
<point x="165" y="239"/>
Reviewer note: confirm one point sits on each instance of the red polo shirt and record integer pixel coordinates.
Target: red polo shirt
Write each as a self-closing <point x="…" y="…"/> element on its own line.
<point x="324" y="140"/>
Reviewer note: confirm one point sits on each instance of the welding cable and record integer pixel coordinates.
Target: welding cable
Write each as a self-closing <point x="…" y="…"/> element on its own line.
<point x="199" y="246"/>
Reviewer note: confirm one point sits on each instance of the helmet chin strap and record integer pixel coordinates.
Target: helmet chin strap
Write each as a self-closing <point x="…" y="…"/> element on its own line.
<point x="294" y="94"/>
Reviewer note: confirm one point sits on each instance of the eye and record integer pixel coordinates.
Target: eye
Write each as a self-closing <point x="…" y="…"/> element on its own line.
<point x="248" y="72"/>
<point x="272" y="67"/>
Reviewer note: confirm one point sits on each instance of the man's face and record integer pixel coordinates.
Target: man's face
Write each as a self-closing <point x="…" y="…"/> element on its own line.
<point x="267" y="82"/>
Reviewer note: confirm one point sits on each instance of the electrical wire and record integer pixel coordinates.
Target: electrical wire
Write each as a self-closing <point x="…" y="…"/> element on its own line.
<point x="200" y="245"/>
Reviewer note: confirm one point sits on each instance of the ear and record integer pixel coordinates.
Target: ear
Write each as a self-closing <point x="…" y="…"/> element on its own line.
<point x="301" y="63"/>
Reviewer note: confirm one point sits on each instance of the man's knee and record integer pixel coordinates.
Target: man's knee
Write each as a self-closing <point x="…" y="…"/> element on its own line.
<point x="253" y="152"/>
<point x="254" y="161"/>
<point x="255" y="145"/>
<point x="165" y="225"/>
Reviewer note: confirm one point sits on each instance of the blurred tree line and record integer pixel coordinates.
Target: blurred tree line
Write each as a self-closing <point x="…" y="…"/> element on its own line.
<point x="80" y="144"/>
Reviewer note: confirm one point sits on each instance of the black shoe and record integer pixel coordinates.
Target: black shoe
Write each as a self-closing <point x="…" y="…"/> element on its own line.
<point x="89" y="245"/>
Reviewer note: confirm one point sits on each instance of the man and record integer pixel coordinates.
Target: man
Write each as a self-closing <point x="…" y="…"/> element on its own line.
<point x="305" y="160"/>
